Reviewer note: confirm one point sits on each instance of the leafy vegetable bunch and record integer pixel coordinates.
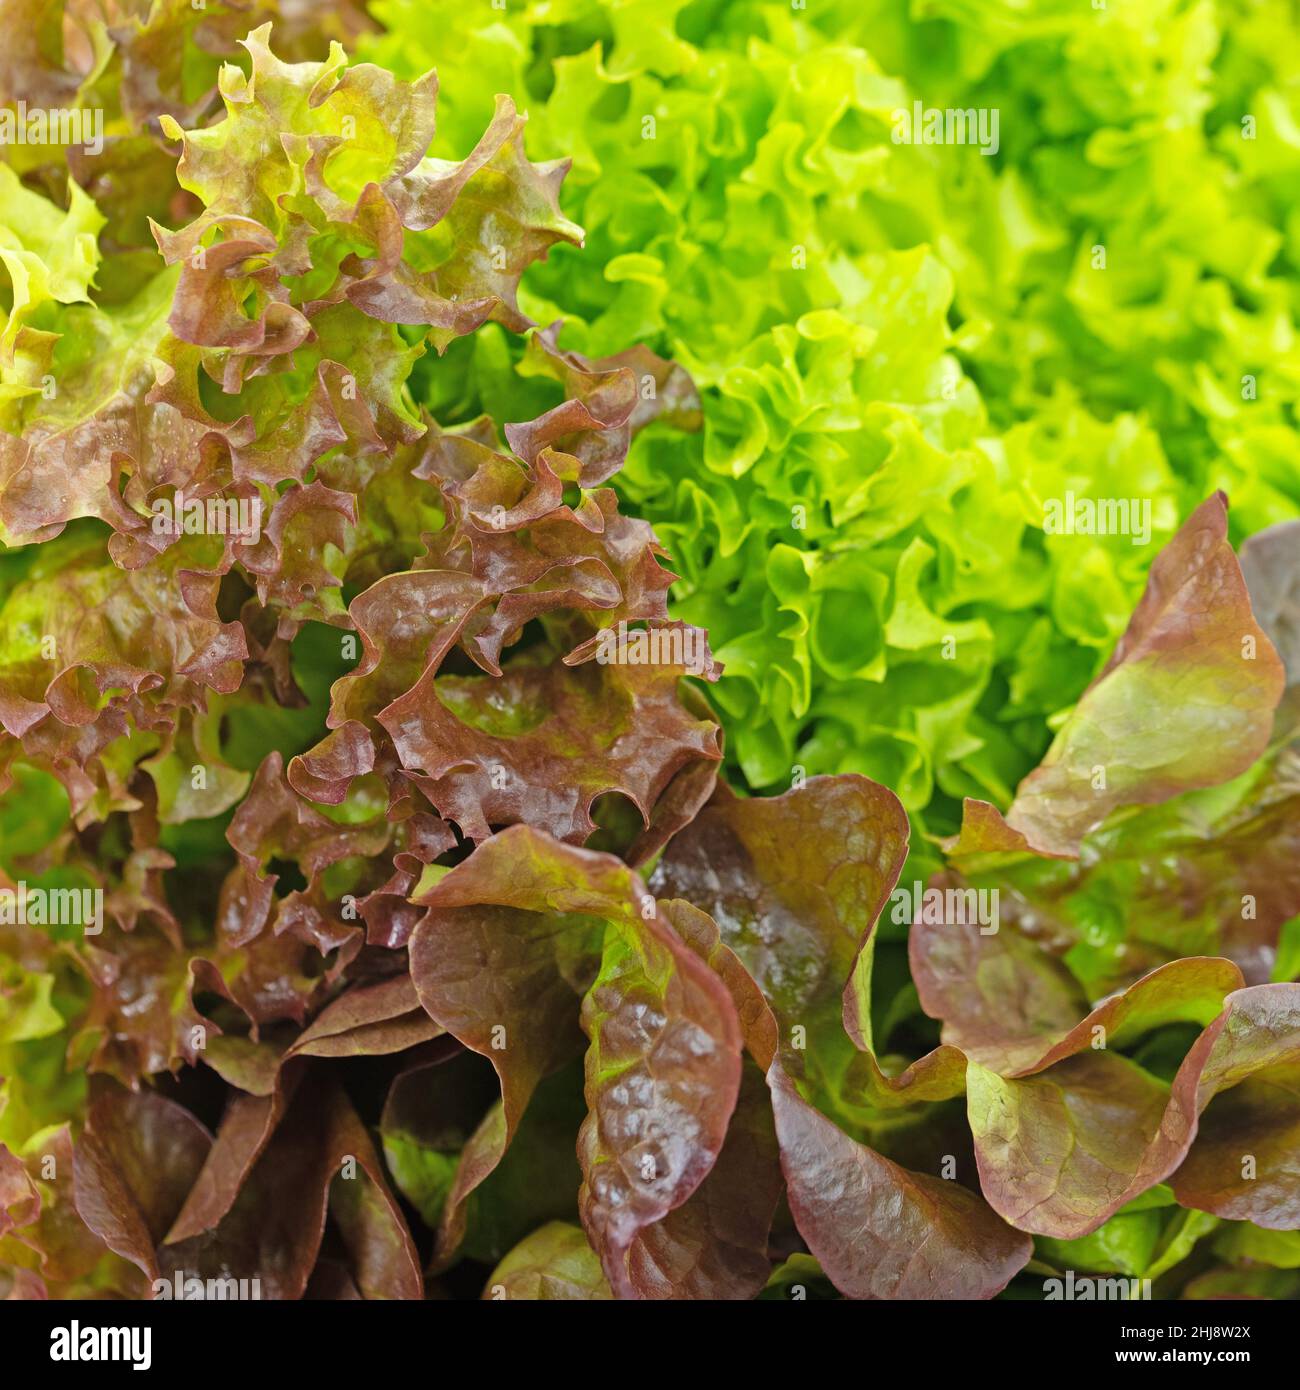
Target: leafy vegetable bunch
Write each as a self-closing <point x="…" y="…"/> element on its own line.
<point x="253" y="843"/>
<point x="431" y="956"/>
<point x="907" y="350"/>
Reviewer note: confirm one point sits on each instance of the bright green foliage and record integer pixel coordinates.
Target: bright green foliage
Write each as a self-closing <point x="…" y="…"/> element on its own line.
<point x="907" y="350"/>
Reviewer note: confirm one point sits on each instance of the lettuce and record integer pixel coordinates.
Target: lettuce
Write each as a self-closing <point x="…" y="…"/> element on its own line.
<point x="438" y="944"/>
<point x="905" y="350"/>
